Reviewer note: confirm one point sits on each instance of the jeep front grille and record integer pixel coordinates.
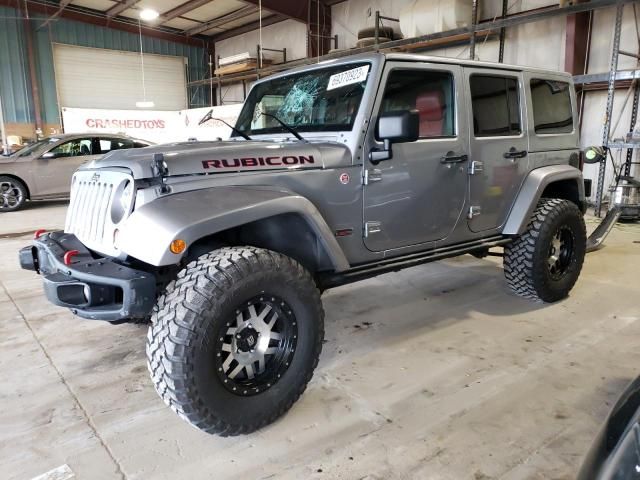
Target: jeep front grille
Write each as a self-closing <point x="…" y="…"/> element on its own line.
<point x="88" y="215"/>
<point x="88" y="209"/>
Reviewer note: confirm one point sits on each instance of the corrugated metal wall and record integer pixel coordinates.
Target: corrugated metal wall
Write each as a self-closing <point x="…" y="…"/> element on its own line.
<point x="14" y="80"/>
<point x="15" y="89"/>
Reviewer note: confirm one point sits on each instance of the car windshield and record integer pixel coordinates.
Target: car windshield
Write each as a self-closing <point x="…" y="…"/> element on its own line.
<point x="35" y="146"/>
<point x="314" y="101"/>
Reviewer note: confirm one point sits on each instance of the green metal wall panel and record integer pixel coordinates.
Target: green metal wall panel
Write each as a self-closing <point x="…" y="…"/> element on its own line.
<point x="15" y="89"/>
<point x="14" y="79"/>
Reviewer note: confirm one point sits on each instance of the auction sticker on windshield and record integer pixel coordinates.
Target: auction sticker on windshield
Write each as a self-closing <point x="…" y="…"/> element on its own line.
<point x="355" y="75"/>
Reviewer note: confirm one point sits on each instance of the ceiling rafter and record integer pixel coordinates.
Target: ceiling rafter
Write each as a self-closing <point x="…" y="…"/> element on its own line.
<point x="249" y="27"/>
<point x="120" y="7"/>
<point x="295" y="9"/>
<point x="56" y="14"/>
<point x="220" y="21"/>
<point x="182" y="9"/>
<point x="117" y="24"/>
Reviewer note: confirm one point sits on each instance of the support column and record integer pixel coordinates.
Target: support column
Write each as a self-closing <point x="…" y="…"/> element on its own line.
<point x="33" y="77"/>
<point x="609" y="109"/>
<point x="319" y="28"/>
<point x="3" y="132"/>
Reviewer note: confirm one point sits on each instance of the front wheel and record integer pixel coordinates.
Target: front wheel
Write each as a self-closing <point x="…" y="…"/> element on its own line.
<point x="13" y="194"/>
<point x="545" y="261"/>
<point x="235" y="339"/>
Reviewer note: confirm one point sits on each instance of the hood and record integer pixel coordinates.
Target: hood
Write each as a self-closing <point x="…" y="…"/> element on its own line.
<point x="228" y="157"/>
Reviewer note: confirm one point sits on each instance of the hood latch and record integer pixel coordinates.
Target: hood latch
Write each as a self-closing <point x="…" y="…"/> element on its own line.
<point x="160" y="171"/>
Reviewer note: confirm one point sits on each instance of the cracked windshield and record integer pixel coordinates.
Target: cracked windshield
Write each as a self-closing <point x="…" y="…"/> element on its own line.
<point x="317" y="101"/>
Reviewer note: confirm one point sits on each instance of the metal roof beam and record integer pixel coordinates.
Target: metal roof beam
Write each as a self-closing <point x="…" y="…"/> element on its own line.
<point x="249" y="27"/>
<point x="56" y="14"/>
<point x="295" y="9"/>
<point x="116" y="24"/>
<point x="220" y="21"/>
<point x="120" y="7"/>
<point x="181" y="10"/>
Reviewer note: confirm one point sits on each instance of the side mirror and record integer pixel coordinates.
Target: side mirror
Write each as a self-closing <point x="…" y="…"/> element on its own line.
<point x="395" y="127"/>
<point x="48" y="155"/>
<point x="399" y="126"/>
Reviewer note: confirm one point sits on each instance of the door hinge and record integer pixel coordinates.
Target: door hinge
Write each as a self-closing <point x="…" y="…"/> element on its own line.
<point x="372" y="227"/>
<point x="474" y="211"/>
<point x="372" y="175"/>
<point x="476" y="167"/>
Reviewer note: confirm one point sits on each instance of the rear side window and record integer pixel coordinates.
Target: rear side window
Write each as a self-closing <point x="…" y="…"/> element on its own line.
<point x="551" y="106"/>
<point x="108" y="144"/>
<point x="496" y="106"/>
<point x="429" y="92"/>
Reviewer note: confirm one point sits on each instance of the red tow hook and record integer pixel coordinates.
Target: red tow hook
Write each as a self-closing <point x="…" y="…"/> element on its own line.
<point x="68" y="256"/>
<point x="38" y="233"/>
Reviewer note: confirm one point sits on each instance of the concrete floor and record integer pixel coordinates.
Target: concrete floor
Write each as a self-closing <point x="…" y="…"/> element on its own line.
<point x="435" y="372"/>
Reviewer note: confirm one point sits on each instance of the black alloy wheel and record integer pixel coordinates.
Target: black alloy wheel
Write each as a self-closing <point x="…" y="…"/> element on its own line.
<point x="254" y="350"/>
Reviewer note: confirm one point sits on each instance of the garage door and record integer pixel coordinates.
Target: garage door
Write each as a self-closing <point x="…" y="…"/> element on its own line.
<point x="112" y="79"/>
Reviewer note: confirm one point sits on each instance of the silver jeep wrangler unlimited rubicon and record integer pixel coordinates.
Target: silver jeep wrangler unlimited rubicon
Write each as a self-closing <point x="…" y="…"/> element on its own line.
<point x="336" y="172"/>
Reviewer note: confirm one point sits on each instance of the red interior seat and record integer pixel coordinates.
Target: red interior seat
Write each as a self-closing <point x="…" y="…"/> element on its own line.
<point x="430" y="106"/>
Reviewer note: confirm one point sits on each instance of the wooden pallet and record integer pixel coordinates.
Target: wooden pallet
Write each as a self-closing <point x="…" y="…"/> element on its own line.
<point x="248" y="64"/>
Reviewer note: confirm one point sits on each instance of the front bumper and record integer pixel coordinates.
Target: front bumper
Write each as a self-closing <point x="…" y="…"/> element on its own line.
<point x="94" y="288"/>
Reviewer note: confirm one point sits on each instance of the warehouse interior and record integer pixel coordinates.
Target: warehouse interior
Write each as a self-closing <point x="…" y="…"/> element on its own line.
<point x="434" y="371"/>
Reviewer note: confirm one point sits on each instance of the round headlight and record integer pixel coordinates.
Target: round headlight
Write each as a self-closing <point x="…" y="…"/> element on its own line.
<point x="122" y="201"/>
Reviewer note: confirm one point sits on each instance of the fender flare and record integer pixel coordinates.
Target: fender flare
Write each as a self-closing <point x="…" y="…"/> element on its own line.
<point x="190" y="216"/>
<point x="531" y="192"/>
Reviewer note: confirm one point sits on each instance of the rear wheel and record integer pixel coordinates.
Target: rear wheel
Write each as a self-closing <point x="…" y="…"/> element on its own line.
<point x="13" y="194"/>
<point x="544" y="263"/>
<point x="235" y="339"/>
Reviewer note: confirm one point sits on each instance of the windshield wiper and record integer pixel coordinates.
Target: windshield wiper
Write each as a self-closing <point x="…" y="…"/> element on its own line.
<point x="208" y="117"/>
<point x="287" y="127"/>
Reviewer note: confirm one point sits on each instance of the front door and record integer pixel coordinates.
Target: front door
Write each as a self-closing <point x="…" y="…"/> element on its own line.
<point x="56" y="167"/>
<point x="498" y="145"/>
<point x="419" y="194"/>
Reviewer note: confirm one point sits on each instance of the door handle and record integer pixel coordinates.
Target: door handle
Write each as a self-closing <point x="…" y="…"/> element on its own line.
<point x="451" y="157"/>
<point x="513" y="153"/>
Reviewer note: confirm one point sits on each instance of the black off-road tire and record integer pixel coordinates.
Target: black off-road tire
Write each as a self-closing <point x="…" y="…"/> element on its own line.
<point x="526" y="259"/>
<point x="195" y="310"/>
<point x="16" y="190"/>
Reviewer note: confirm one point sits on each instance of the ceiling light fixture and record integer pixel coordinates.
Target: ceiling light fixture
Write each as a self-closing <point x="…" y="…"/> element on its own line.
<point x="148" y="14"/>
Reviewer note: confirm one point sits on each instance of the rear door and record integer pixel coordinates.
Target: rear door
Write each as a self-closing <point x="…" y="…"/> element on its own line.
<point x="498" y="144"/>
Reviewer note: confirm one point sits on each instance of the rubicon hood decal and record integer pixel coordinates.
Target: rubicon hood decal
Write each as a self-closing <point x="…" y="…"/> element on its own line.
<point x="235" y="163"/>
<point x="228" y="157"/>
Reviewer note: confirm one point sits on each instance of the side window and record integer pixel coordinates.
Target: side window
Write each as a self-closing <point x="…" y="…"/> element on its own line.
<point x="429" y="92"/>
<point x="73" y="148"/>
<point x="120" y="143"/>
<point x="108" y="144"/>
<point x="496" y="106"/>
<point x="140" y="144"/>
<point x="551" y="106"/>
<point x="105" y="145"/>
